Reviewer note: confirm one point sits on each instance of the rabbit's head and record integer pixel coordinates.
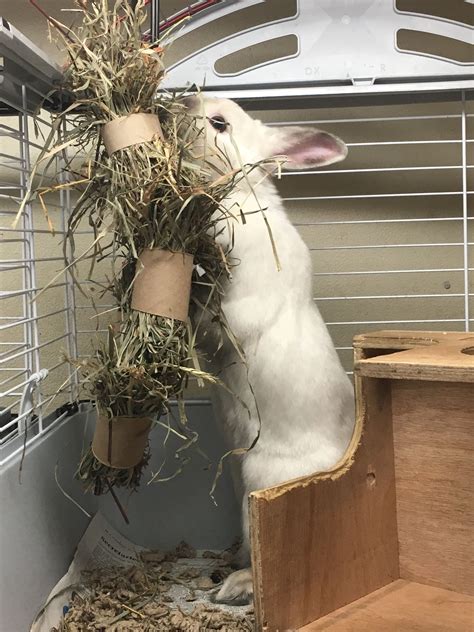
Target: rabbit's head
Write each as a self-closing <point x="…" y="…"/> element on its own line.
<point x="234" y="138"/>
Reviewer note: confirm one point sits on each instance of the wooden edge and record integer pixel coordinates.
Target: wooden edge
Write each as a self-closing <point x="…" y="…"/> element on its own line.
<point x="400" y="339"/>
<point x="342" y="466"/>
<point x="256" y="564"/>
<point x="414" y="371"/>
<point x="444" y="357"/>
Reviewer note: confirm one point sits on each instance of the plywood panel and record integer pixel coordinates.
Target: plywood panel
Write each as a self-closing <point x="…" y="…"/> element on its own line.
<point x="321" y="543"/>
<point x="434" y="465"/>
<point x="436" y="356"/>
<point x="402" y="607"/>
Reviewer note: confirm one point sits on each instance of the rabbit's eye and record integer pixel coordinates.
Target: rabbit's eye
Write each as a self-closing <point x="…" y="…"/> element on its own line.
<point x="218" y="123"/>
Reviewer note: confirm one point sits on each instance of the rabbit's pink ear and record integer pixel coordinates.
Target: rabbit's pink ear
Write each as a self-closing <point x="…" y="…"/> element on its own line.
<point x="307" y="147"/>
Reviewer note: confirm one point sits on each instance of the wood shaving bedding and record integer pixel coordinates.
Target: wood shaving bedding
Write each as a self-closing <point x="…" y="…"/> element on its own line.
<point x="165" y="592"/>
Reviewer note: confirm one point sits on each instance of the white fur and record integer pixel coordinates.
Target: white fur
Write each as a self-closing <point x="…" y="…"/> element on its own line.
<point x="304" y="397"/>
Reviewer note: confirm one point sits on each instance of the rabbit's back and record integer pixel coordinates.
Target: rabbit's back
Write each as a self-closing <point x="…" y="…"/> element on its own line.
<point x="303" y="395"/>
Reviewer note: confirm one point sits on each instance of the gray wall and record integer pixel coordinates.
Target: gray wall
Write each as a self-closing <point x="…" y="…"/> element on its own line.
<point x="40" y="528"/>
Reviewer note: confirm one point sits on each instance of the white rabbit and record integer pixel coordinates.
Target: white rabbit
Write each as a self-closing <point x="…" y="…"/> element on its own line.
<point x="305" y="399"/>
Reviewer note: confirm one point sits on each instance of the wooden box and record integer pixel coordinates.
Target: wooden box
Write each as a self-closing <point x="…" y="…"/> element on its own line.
<point x="384" y="542"/>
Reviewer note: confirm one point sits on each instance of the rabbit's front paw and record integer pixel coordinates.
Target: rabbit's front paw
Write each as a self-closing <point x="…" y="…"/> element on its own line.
<point x="237" y="589"/>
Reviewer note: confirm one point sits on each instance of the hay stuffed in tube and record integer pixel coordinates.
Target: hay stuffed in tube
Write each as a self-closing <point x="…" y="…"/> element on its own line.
<point x="155" y="210"/>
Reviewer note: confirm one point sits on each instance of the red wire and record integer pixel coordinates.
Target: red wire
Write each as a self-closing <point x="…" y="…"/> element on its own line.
<point x="50" y="19"/>
<point x="166" y="24"/>
<point x="186" y="13"/>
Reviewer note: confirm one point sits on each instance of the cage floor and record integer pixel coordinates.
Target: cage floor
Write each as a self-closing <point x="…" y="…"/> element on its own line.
<point x="402" y="605"/>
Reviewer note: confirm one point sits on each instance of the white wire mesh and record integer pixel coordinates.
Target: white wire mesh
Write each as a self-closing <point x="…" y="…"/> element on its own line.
<point x="36" y="325"/>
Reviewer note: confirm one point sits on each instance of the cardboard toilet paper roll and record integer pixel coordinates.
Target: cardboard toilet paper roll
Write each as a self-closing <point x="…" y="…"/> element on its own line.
<point x="120" y="442"/>
<point x="162" y="284"/>
<point x="130" y="130"/>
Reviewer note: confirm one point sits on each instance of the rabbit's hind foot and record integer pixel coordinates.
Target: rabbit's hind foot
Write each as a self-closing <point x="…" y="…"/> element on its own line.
<point x="237" y="589"/>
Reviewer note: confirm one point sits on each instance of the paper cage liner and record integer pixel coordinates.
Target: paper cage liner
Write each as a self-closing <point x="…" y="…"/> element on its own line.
<point x="130" y="130"/>
<point x="120" y="442"/>
<point x="162" y="284"/>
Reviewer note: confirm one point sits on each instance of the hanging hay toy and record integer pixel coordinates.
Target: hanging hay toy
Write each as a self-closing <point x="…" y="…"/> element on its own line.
<point x="159" y="212"/>
<point x="151" y="206"/>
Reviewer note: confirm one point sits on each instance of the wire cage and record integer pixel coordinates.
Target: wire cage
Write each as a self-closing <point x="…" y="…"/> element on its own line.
<point x="37" y="326"/>
<point x="389" y="229"/>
